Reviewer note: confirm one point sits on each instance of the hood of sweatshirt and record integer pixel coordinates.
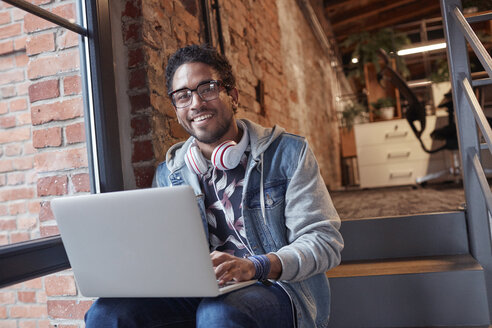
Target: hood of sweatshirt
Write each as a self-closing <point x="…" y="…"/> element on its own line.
<point x="260" y="139"/>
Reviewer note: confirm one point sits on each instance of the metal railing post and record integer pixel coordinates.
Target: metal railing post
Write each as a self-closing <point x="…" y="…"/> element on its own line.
<point x="477" y="213"/>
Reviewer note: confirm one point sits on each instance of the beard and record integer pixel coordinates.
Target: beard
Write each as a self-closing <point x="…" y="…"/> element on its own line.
<point x="214" y="136"/>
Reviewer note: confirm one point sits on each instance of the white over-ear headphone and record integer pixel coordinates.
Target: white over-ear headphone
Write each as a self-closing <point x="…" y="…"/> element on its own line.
<point x="225" y="156"/>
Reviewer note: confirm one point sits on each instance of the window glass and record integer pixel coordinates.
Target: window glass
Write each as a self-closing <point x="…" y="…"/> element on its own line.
<point x="42" y="136"/>
<point x="44" y="153"/>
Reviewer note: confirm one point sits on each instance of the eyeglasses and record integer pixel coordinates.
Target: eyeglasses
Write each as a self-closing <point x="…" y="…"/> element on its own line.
<point x="206" y="90"/>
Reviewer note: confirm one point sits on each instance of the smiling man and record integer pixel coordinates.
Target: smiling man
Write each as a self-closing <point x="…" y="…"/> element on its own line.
<point x="266" y="208"/>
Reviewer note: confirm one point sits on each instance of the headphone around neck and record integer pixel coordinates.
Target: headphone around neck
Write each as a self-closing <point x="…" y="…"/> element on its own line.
<point x="225" y="156"/>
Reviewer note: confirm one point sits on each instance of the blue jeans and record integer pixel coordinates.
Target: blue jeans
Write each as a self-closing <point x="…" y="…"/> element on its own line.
<point x="253" y="306"/>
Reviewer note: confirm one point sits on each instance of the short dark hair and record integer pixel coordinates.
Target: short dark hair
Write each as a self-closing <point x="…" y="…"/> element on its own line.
<point x="200" y="54"/>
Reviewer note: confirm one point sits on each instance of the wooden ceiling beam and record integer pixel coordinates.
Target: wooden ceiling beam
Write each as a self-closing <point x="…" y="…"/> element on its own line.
<point x="366" y="11"/>
<point x="396" y="17"/>
<point x="335" y="4"/>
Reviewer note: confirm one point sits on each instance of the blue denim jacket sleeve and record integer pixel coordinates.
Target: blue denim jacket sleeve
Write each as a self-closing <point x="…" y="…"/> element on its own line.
<point x="314" y="242"/>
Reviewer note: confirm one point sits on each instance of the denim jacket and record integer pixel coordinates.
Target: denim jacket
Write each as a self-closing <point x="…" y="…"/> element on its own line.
<point x="295" y="219"/>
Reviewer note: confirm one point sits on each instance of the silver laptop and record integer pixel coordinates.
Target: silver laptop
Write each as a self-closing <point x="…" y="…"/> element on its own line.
<point x="139" y="243"/>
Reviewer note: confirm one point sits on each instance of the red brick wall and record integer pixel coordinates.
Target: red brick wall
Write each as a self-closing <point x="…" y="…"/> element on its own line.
<point x="142" y="157"/>
<point x="25" y="303"/>
<point x="59" y="138"/>
<point x="42" y="152"/>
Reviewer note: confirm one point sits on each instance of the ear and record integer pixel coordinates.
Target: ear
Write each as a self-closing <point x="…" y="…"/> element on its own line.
<point x="234" y="95"/>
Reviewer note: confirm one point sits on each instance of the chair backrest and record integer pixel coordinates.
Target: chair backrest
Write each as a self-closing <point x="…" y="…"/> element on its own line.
<point x="415" y="111"/>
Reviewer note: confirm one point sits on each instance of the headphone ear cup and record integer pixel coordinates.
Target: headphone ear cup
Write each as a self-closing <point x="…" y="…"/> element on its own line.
<point x="224" y="157"/>
<point x="228" y="154"/>
<point x="195" y="161"/>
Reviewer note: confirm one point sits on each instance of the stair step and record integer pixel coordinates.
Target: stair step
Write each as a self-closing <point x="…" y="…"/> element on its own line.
<point x="409" y="292"/>
<point x="405" y="236"/>
<point x="405" y="266"/>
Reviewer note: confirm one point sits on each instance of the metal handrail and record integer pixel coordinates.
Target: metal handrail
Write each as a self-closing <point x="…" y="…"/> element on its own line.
<point x="49" y="16"/>
<point x="469" y="114"/>
<point x="481" y="120"/>
<point x="477" y="110"/>
<point x="481" y="82"/>
<point x="474" y="42"/>
<point x="479" y="18"/>
<point x="475" y="107"/>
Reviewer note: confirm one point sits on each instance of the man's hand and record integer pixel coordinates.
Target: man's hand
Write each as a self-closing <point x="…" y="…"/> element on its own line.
<point x="228" y="267"/>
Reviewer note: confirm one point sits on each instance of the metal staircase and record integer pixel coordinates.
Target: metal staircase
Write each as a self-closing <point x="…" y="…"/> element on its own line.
<point x="435" y="269"/>
<point x="412" y="271"/>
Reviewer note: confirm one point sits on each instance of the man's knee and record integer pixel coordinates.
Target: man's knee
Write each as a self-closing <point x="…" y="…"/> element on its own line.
<point x="253" y="306"/>
<point x="98" y="314"/>
<point x="110" y="312"/>
<point x="215" y="312"/>
<point x="239" y="308"/>
<point x="142" y="312"/>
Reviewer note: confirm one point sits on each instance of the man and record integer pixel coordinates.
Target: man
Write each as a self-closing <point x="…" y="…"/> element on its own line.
<point x="266" y="208"/>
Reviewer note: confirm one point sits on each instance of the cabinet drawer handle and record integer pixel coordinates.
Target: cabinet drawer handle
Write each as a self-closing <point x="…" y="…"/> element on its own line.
<point x="399" y="154"/>
<point x="400" y="175"/>
<point x="396" y="134"/>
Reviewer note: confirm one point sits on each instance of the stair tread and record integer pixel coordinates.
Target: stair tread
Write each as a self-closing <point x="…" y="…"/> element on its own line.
<point x="428" y="264"/>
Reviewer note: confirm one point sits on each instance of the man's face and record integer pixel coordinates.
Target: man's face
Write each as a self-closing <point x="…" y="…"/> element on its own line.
<point x="210" y="122"/>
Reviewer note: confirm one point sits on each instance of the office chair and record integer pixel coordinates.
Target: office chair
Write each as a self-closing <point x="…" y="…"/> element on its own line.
<point x="415" y="112"/>
<point x="447" y="133"/>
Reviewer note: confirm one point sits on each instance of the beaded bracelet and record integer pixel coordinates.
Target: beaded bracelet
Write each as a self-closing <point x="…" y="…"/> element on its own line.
<point x="262" y="266"/>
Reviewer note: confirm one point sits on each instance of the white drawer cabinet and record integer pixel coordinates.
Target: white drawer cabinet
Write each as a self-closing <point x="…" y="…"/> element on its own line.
<point x="389" y="154"/>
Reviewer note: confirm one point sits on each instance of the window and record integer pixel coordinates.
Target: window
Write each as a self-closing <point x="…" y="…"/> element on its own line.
<point x="58" y="124"/>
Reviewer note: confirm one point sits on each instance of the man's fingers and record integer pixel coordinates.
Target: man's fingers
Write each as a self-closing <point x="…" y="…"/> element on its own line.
<point x="224" y="267"/>
<point x="219" y="257"/>
<point x="229" y="276"/>
<point x="228" y="267"/>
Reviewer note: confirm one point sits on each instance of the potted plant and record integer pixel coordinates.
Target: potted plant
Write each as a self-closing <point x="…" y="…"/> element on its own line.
<point x="350" y="113"/>
<point x="365" y="47"/>
<point x="385" y="108"/>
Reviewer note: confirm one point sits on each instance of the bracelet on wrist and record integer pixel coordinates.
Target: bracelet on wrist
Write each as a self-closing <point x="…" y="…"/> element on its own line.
<point x="262" y="266"/>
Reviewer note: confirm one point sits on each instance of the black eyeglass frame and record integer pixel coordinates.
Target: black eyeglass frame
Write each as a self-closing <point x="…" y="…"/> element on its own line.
<point x="218" y="82"/>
